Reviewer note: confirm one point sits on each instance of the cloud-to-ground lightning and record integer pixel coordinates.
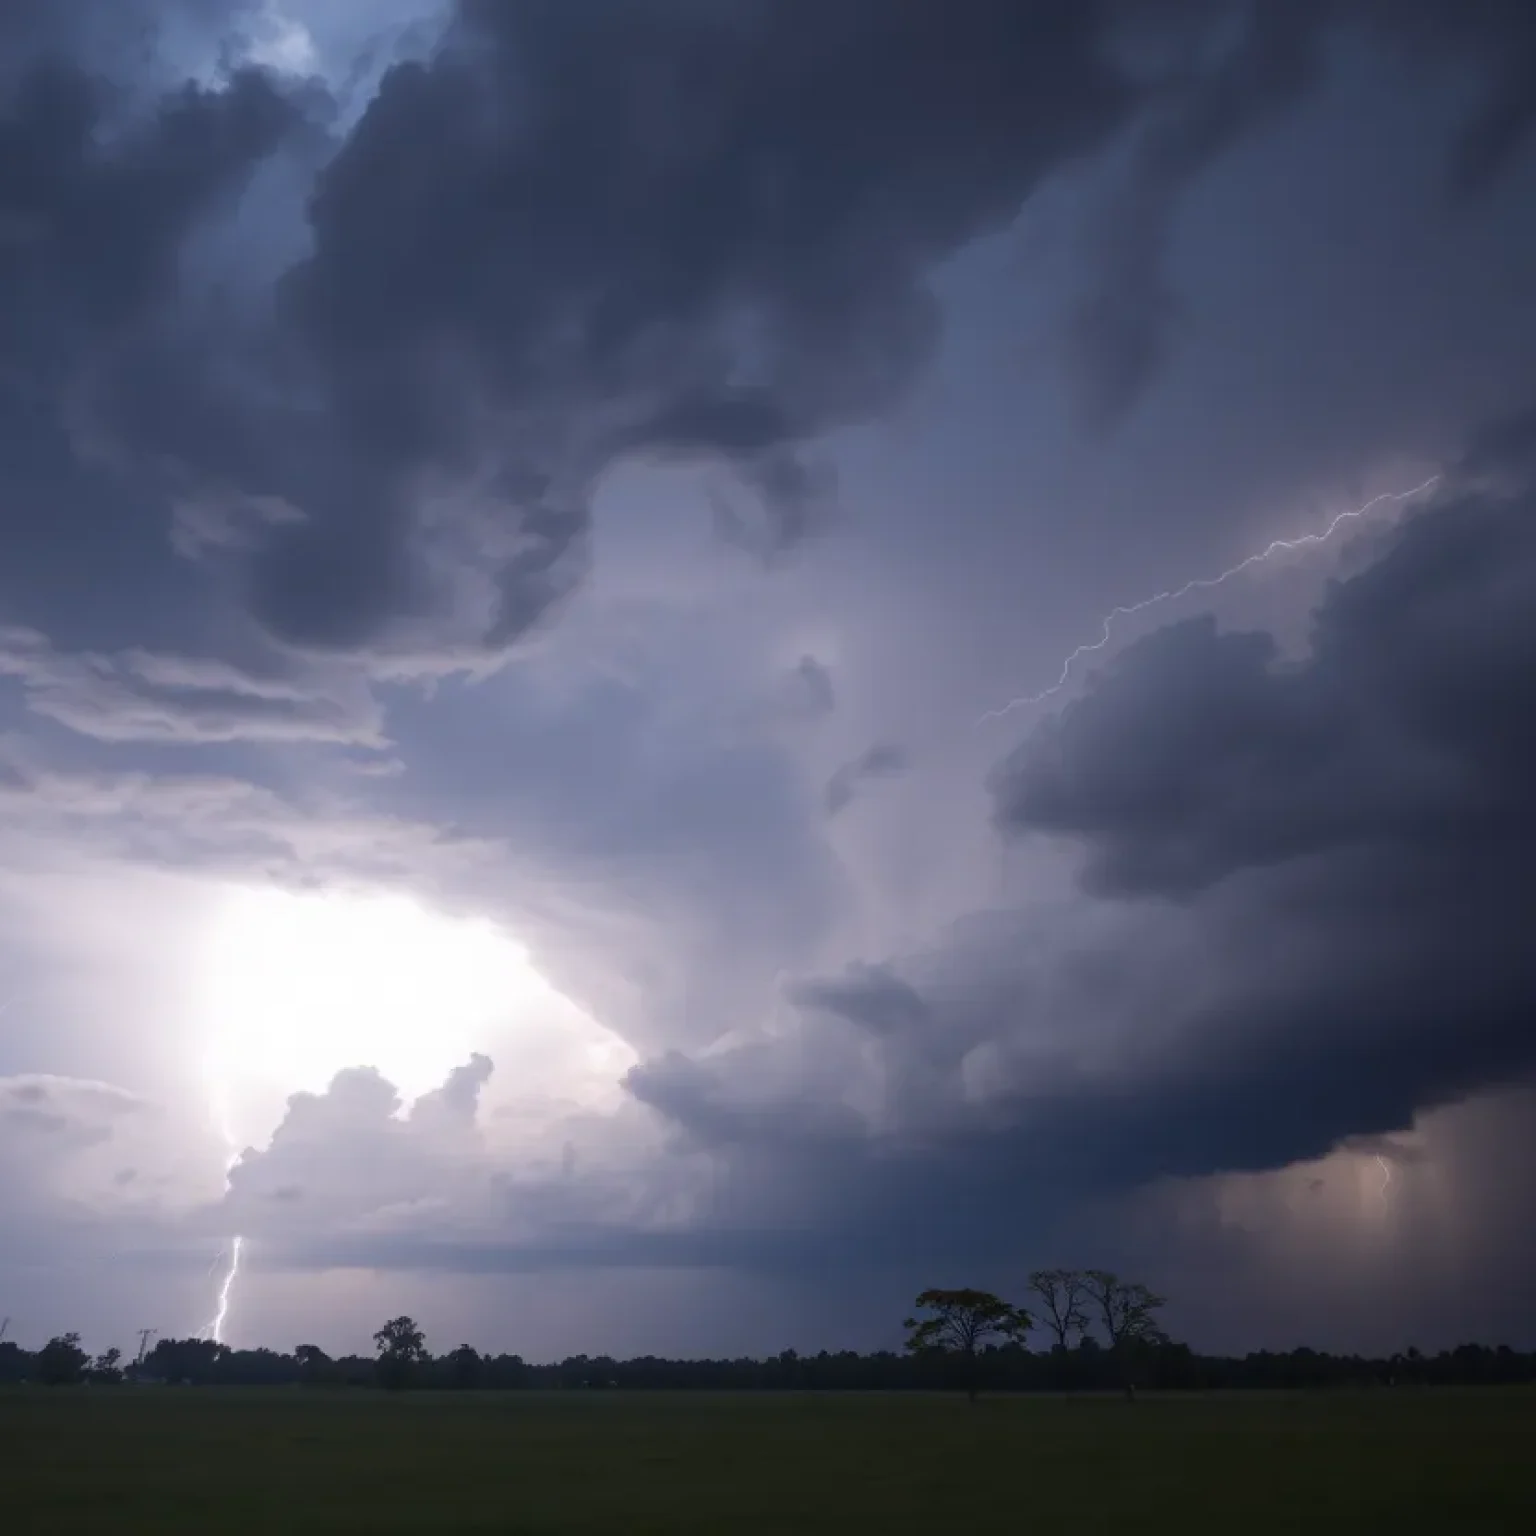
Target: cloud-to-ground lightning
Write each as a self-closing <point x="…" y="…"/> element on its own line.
<point x="1201" y="584"/>
<point x="214" y="1327"/>
<point x="1386" y="1179"/>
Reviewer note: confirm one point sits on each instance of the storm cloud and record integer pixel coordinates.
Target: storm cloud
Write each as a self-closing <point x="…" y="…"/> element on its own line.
<point x="1358" y="812"/>
<point x="559" y="242"/>
<point x="586" y="469"/>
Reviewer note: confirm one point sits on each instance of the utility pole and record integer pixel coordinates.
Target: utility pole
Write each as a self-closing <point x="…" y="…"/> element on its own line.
<point x="5" y="1323"/>
<point x="145" y="1335"/>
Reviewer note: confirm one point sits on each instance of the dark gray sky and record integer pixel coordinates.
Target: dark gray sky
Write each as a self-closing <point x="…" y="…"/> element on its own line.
<point x="516" y="521"/>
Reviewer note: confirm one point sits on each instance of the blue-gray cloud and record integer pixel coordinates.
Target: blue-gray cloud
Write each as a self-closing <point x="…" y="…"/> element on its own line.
<point x="321" y="402"/>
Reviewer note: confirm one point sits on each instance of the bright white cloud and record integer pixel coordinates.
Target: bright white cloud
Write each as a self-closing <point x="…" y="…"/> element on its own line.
<point x="292" y="988"/>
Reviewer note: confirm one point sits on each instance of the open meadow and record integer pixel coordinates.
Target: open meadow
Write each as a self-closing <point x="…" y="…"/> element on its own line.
<point x="229" y="1460"/>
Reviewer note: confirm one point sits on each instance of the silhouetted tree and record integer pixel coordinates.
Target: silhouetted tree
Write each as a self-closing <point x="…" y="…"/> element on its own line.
<point x="60" y="1362"/>
<point x="401" y="1350"/>
<point x="962" y="1322"/>
<point x="940" y="1358"/>
<point x="314" y="1365"/>
<point x="464" y="1367"/>
<point x="186" y="1362"/>
<point x="1062" y="1293"/>
<point x="15" y="1363"/>
<point x="1127" y="1310"/>
<point x="106" y="1369"/>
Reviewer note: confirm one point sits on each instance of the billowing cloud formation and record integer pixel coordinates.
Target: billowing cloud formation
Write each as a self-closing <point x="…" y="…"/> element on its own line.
<point x="314" y="394"/>
<point x="563" y="240"/>
<point x="1362" y="811"/>
<point x="568" y="238"/>
<point x="353" y="1177"/>
<point x="1200" y="755"/>
<point x="349" y="1154"/>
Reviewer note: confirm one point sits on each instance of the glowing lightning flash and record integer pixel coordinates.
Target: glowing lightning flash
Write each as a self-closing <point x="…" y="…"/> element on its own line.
<point x="1200" y="584"/>
<point x="214" y="1328"/>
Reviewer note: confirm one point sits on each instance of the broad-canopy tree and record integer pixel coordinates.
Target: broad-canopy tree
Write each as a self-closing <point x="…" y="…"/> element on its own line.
<point x="465" y="1367"/>
<point x="401" y="1348"/>
<point x="194" y="1361"/>
<point x="61" y="1362"/>
<point x="962" y="1322"/>
<point x="1128" y="1311"/>
<point x="313" y="1363"/>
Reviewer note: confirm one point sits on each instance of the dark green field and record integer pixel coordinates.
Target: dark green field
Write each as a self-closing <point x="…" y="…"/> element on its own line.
<point x="184" y="1460"/>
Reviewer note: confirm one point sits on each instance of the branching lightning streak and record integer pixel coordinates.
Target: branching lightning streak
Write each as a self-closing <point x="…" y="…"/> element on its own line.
<point x="1386" y="1179"/>
<point x="1201" y="584"/>
<point x="214" y="1328"/>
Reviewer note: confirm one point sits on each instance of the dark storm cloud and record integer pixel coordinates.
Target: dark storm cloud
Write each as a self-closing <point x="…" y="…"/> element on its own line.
<point x="1504" y="451"/>
<point x="660" y="228"/>
<point x="793" y="499"/>
<point x="97" y="204"/>
<point x="1500" y="35"/>
<point x="1369" y="806"/>
<point x="577" y="234"/>
<point x="1308" y="923"/>
<point x="120" y="34"/>
<point x="143" y="696"/>
<point x="871" y="996"/>
<point x="1388" y="1148"/>
<point x="102" y="184"/>
<point x="1198" y="755"/>
<point x="717" y="1110"/>
<point x="568" y="237"/>
<point x="1232" y="70"/>
<point x="1122" y="329"/>
<point x="690" y="231"/>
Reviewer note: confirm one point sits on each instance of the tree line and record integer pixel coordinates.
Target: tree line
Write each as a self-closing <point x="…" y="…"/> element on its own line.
<point x="1098" y="1333"/>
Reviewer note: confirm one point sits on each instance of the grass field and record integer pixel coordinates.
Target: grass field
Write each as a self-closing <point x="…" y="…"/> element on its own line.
<point x="211" y="1461"/>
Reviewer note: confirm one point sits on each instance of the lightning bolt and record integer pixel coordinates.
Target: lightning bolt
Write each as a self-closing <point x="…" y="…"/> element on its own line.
<point x="214" y="1327"/>
<point x="1201" y="584"/>
<point x="1386" y="1179"/>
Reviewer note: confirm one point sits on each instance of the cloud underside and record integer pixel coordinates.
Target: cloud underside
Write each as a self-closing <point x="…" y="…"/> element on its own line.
<point x="1305" y="918"/>
<point x="297" y="415"/>
<point x="1302" y="928"/>
<point x="560" y="241"/>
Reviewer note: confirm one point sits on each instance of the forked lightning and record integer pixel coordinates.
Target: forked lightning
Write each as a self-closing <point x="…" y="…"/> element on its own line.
<point x="1200" y="584"/>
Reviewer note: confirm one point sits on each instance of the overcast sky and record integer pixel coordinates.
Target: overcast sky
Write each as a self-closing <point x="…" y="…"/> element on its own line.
<point x="540" y="549"/>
